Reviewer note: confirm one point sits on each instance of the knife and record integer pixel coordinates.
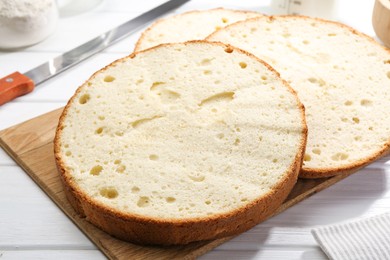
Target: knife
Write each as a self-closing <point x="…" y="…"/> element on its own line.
<point x="17" y="84"/>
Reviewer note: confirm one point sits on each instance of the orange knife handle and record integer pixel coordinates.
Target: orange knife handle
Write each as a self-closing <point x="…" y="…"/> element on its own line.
<point x="13" y="86"/>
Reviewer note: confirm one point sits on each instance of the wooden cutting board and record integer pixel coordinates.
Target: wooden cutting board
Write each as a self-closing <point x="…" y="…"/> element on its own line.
<point x="30" y="144"/>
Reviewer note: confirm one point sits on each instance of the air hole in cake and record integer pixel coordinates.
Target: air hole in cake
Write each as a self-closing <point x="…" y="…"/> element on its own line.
<point x="170" y="199"/>
<point x="220" y="97"/>
<point x="153" y="157"/>
<point x="356" y="120"/>
<point x="121" y="168"/>
<point x="316" y="151"/>
<point x="119" y="133"/>
<point x="207" y="202"/>
<point x="205" y="62"/>
<point x="253" y="30"/>
<point x="156" y="84"/>
<point x="143" y="202"/>
<point x="109" y="78"/>
<point x="139" y="81"/>
<point x="135" y="189"/>
<point x="197" y="178"/>
<point x="275" y="160"/>
<point x="348" y="103"/>
<point x="101" y="117"/>
<point x="217" y="28"/>
<point x="344" y="119"/>
<point x="243" y="65"/>
<point x="117" y="161"/>
<point x="339" y="157"/>
<point x="264" y="77"/>
<point x="84" y="99"/>
<point x="220" y="136"/>
<point x="388" y="74"/>
<point x="371" y="128"/>
<point x="68" y="153"/>
<point x="312" y="80"/>
<point x="96" y="170"/>
<point x="229" y="49"/>
<point x="169" y="95"/>
<point x="386" y="61"/>
<point x="109" y="192"/>
<point x="244" y="199"/>
<point x="357" y="138"/>
<point x="166" y="95"/>
<point x="207" y="72"/>
<point x="237" y="141"/>
<point x="142" y="121"/>
<point x="225" y="20"/>
<point x="99" y="130"/>
<point x="331" y="34"/>
<point x="365" y="103"/>
<point x="305" y="42"/>
<point x="307" y="157"/>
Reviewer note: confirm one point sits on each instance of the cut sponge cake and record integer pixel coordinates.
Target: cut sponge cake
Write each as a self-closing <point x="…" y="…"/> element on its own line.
<point x="179" y="143"/>
<point x="341" y="76"/>
<point x="193" y="25"/>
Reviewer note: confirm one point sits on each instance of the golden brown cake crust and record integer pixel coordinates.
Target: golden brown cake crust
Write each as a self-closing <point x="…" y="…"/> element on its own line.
<point x="144" y="230"/>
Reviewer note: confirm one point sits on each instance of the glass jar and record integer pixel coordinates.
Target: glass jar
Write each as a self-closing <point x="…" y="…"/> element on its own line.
<point x="26" y="22"/>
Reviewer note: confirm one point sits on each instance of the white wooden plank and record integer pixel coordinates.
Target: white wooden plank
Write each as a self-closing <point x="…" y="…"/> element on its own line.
<point x="52" y="254"/>
<point x="29" y="218"/>
<point x="276" y="253"/>
<point x="124" y="6"/>
<point x="313" y="253"/>
<point x="14" y="113"/>
<point x="260" y="6"/>
<point x="5" y="160"/>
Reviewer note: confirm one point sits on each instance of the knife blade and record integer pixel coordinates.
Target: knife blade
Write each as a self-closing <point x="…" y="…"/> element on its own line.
<point x="17" y="84"/>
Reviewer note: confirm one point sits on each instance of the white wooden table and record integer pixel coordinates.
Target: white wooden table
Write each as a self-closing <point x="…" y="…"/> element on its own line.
<point x="31" y="225"/>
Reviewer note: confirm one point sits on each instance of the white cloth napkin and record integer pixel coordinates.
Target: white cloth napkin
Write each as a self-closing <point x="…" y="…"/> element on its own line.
<point x="362" y="239"/>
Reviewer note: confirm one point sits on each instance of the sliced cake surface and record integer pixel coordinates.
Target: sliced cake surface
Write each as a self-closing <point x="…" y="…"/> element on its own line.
<point x="193" y="25"/>
<point x="181" y="142"/>
<point x="341" y="76"/>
